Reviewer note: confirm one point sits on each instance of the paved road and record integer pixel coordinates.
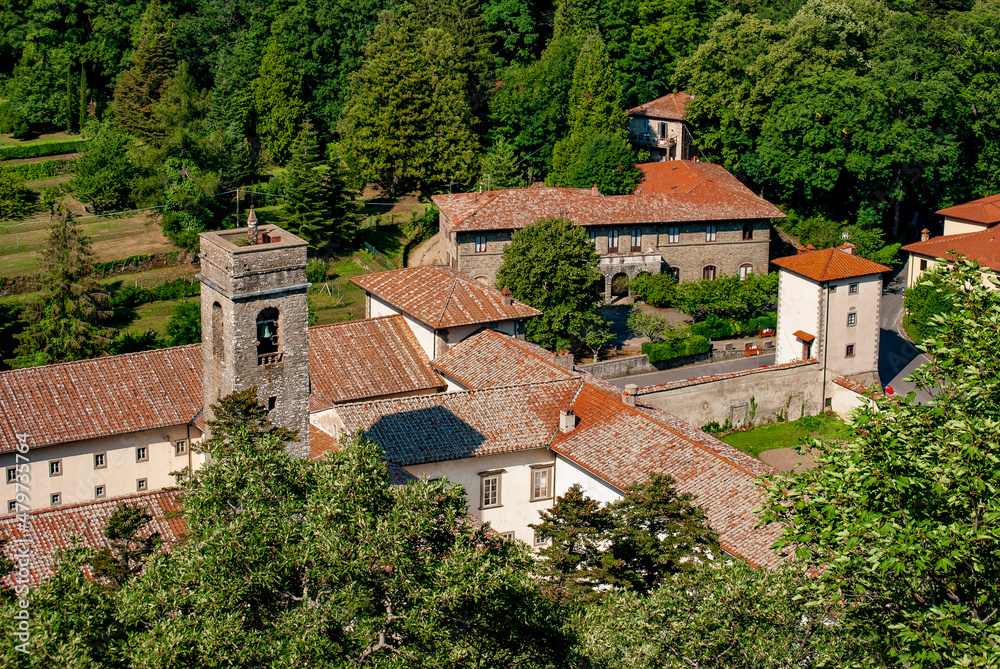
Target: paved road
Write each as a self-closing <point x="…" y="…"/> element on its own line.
<point x="897" y="356"/>
<point x="695" y="371"/>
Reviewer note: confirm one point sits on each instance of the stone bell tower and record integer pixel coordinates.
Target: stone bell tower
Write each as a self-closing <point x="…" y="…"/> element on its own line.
<point x="254" y="322"/>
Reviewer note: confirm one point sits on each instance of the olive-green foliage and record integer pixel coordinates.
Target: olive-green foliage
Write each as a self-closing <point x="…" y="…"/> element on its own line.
<point x="552" y="266"/>
<point x="899" y="522"/>
<point x="40" y="149"/>
<point x="728" y="297"/>
<point x="184" y="326"/>
<point x="679" y="346"/>
<point x="927" y="300"/>
<point x="16" y="201"/>
<point x="407" y="124"/>
<point x="633" y="543"/>
<point x="105" y="170"/>
<point x="656" y="290"/>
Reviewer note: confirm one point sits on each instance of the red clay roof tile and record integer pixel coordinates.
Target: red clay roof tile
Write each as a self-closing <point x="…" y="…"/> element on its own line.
<point x="490" y="359"/>
<point x="983" y="210"/>
<point x="672" y="106"/>
<point x="442" y="297"/>
<point x="829" y="265"/>
<point x="982" y="246"/>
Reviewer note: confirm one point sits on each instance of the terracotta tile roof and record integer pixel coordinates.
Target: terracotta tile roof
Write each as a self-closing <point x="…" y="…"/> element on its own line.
<point x="619" y="444"/>
<point x="684" y="176"/>
<point x="320" y="443"/>
<point x="441" y="297"/>
<point x="490" y="359"/>
<point x="73" y="401"/>
<point x="983" y="210"/>
<point x="671" y="106"/>
<point x="373" y="357"/>
<point x="53" y="529"/>
<point x="982" y="246"/>
<point x="623" y="445"/>
<point x="684" y="383"/>
<point x="858" y="387"/>
<point x="432" y="428"/>
<point x="515" y="208"/>
<point x="830" y="264"/>
<point x="804" y="336"/>
<point x="317" y="403"/>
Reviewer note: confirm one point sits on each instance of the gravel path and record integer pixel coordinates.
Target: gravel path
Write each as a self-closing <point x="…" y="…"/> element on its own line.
<point x="428" y="253"/>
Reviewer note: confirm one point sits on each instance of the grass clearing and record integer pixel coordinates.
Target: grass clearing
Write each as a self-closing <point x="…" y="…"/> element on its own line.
<point x="793" y="433"/>
<point x="50" y="137"/>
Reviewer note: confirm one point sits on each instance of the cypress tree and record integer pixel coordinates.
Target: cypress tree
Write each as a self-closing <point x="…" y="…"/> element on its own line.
<point x="279" y="109"/>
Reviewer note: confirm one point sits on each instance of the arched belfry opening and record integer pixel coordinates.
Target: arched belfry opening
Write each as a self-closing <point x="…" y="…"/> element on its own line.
<point x="268" y="341"/>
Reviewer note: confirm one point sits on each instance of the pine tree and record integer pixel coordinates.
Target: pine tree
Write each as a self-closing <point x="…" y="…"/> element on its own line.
<point x="62" y="324"/>
<point x="154" y="61"/>
<point x="597" y="107"/>
<point x="277" y="103"/>
<point x="500" y="167"/>
<point x="407" y="123"/>
<point x="319" y="206"/>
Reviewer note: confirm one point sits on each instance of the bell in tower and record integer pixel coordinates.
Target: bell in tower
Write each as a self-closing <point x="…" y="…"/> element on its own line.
<point x="254" y="320"/>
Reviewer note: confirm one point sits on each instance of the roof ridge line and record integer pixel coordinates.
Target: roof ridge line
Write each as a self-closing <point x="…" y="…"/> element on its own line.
<point x="444" y="309"/>
<point x="66" y="363"/>
<point x="455" y="393"/>
<point x="555" y="432"/>
<point x="512" y="341"/>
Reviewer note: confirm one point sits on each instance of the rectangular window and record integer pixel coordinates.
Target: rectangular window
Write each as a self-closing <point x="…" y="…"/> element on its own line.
<point x="747" y="231"/>
<point x="853" y="288"/>
<point x="100" y="492"/>
<point x="11" y="474"/>
<point x="745" y="271"/>
<point x="11" y="506"/>
<point x="663" y="130"/>
<point x="612" y="241"/>
<point x="538" y="539"/>
<point x="481" y="244"/>
<point x="673" y="235"/>
<point x="711" y="233"/>
<point x="141" y="454"/>
<point x="180" y="447"/>
<point x="541" y="483"/>
<point x="636" y="240"/>
<point x="100" y="460"/>
<point x="850" y="351"/>
<point x="593" y="236"/>
<point x="55" y="499"/>
<point x="55" y="467"/>
<point x="676" y="273"/>
<point x="852" y="318"/>
<point x="140" y="485"/>
<point x="923" y="265"/>
<point x="509" y="536"/>
<point x="489" y="484"/>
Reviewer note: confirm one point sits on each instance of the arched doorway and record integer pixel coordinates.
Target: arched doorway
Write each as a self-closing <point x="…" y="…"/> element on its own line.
<point x="619" y="285"/>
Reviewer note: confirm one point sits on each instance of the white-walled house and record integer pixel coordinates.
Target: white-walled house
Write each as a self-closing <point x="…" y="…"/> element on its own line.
<point x="441" y="305"/>
<point x="828" y="310"/>
<point x="970" y="229"/>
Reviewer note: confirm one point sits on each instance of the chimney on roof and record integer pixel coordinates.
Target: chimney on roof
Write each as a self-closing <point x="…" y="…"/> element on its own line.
<point x="505" y="297"/>
<point x="563" y="360"/>
<point x="629" y="394"/>
<point x="810" y="247"/>
<point x="595" y="190"/>
<point x="801" y="249"/>
<point x="925" y="234"/>
<point x="252" y="226"/>
<point x="567" y="420"/>
<point x="847" y="247"/>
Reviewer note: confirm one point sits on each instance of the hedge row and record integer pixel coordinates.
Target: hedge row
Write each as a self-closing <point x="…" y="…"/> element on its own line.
<point x="41" y="149"/>
<point x="133" y="296"/>
<point x="714" y="327"/>
<point x="43" y="169"/>
<point x="662" y="351"/>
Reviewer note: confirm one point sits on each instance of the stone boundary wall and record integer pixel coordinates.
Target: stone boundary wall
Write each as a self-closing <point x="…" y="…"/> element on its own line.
<point x="619" y="367"/>
<point x="748" y="397"/>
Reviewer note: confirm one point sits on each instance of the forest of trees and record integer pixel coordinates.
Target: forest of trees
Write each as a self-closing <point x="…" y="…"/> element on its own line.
<point x="862" y="111"/>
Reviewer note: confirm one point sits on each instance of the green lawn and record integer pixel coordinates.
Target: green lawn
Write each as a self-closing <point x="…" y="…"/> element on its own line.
<point x="782" y="435"/>
<point x="50" y="137"/>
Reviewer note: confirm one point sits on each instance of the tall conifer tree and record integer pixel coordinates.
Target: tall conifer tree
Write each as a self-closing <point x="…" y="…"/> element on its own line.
<point x="154" y="61"/>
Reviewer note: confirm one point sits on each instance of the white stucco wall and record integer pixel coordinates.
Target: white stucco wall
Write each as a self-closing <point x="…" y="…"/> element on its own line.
<point x="954" y="226"/>
<point x="864" y="336"/>
<point x="798" y="309"/>
<point x="569" y="473"/>
<point x="517" y="510"/>
<point x="425" y="335"/>
<point x="79" y="477"/>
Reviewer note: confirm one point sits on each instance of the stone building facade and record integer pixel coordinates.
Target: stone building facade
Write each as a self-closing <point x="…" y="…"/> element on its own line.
<point x="658" y="127"/>
<point x="694" y="220"/>
<point x="255" y="319"/>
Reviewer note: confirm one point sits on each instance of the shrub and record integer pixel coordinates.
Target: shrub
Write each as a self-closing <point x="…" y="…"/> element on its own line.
<point x="656" y="290"/>
<point x="115" y="266"/>
<point x="619" y="285"/>
<point x="675" y="348"/>
<point x="317" y="271"/>
<point x="714" y="327"/>
<point x="184" y="326"/>
<point x="130" y="296"/>
<point x="133" y="342"/>
<point x="41" y="149"/>
<point x="42" y="169"/>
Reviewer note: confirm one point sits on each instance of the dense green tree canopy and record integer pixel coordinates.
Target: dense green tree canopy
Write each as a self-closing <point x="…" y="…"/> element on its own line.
<point x="552" y="266"/>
